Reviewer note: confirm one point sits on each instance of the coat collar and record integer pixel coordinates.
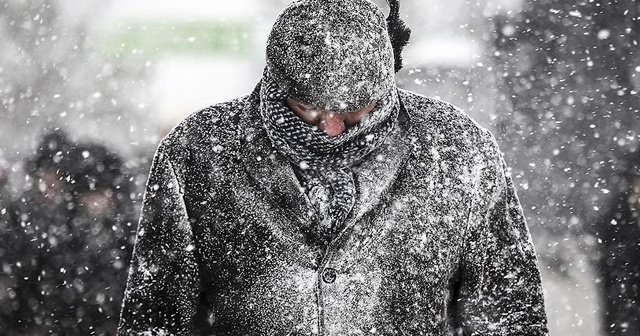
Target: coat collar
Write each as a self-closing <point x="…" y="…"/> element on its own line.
<point x="275" y="176"/>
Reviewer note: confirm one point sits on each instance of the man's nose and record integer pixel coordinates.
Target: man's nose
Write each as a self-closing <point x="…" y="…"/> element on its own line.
<point x="332" y="123"/>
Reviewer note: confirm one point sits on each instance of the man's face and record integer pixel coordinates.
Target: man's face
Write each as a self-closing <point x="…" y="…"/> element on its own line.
<point x="331" y="123"/>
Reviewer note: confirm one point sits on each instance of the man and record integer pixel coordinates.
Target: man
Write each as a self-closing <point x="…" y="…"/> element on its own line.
<point x="330" y="202"/>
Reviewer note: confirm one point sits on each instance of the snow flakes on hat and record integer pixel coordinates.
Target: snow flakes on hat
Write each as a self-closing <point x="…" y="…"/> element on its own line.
<point x="333" y="54"/>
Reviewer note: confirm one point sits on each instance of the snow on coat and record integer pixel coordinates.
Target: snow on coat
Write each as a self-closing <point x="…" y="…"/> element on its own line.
<point x="436" y="243"/>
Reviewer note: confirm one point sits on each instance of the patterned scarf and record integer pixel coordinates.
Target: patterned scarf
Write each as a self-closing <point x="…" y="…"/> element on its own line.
<point x="322" y="162"/>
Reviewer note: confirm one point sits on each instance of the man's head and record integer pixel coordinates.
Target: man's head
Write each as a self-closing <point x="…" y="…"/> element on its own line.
<point x="333" y="55"/>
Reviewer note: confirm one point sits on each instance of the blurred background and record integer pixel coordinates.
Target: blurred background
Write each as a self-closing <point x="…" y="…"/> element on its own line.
<point x="88" y="89"/>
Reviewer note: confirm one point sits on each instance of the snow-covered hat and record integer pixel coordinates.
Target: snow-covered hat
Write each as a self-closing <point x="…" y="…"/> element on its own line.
<point x="332" y="54"/>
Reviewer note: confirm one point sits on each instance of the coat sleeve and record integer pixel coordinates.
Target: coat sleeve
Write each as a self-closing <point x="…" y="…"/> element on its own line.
<point x="500" y="292"/>
<point x="162" y="287"/>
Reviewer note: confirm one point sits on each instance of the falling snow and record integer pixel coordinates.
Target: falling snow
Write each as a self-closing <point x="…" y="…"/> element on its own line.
<point x="436" y="242"/>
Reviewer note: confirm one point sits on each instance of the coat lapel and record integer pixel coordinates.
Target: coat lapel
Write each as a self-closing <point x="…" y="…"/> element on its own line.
<point x="375" y="176"/>
<point x="272" y="173"/>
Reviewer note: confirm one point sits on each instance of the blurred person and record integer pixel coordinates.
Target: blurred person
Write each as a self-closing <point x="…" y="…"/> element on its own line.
<point x="618" y="234"/>
<point x="41" y="208"/>
<point x="6" y="281"/>
<point x="330" y="202"/>
<point x="102" y="222"/>
<point x="76" y="271"/>
<point x="5" y="198"/>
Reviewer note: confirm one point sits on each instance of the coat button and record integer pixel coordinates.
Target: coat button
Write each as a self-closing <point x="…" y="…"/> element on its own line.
<point x="329" y="275"/>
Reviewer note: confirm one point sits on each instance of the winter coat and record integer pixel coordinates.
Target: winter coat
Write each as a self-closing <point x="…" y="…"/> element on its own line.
<point x="435" y="245"/>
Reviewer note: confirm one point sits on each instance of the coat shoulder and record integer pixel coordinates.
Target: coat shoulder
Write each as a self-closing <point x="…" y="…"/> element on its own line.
<point x="213" y="128"/>
<point x="439" y="126"/>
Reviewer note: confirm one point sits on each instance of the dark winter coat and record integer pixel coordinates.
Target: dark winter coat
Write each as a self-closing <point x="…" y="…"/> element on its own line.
<point x="436" y="243"/>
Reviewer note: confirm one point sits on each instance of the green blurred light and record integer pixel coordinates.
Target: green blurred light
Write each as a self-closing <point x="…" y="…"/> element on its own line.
<point x="194" y="37"/>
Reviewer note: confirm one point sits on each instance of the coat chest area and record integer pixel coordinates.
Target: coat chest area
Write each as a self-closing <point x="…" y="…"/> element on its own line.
<point x="264" y="270"/>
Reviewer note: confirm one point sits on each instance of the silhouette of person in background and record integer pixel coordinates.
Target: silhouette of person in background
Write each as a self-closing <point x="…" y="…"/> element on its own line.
<point x="36" y="219"/>
<point x="5" y="281"/>
<point x="619" y="264"/>
<point x="73" y="239"/>
<point x="5" y="199"/>
<point x="4" y="178"/>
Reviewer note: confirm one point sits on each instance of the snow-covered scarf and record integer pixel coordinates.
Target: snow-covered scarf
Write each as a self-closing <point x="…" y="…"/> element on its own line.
<point x="322" y="162"/>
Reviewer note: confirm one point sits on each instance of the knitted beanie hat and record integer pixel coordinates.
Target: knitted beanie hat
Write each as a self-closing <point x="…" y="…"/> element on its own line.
<point x="333" y="54"/>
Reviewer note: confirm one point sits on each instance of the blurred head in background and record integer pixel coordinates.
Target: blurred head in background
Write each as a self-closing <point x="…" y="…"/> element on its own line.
<point x="98" y="181"/>
<point x="5" y="168"/>
<point x="49" y="168"/>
